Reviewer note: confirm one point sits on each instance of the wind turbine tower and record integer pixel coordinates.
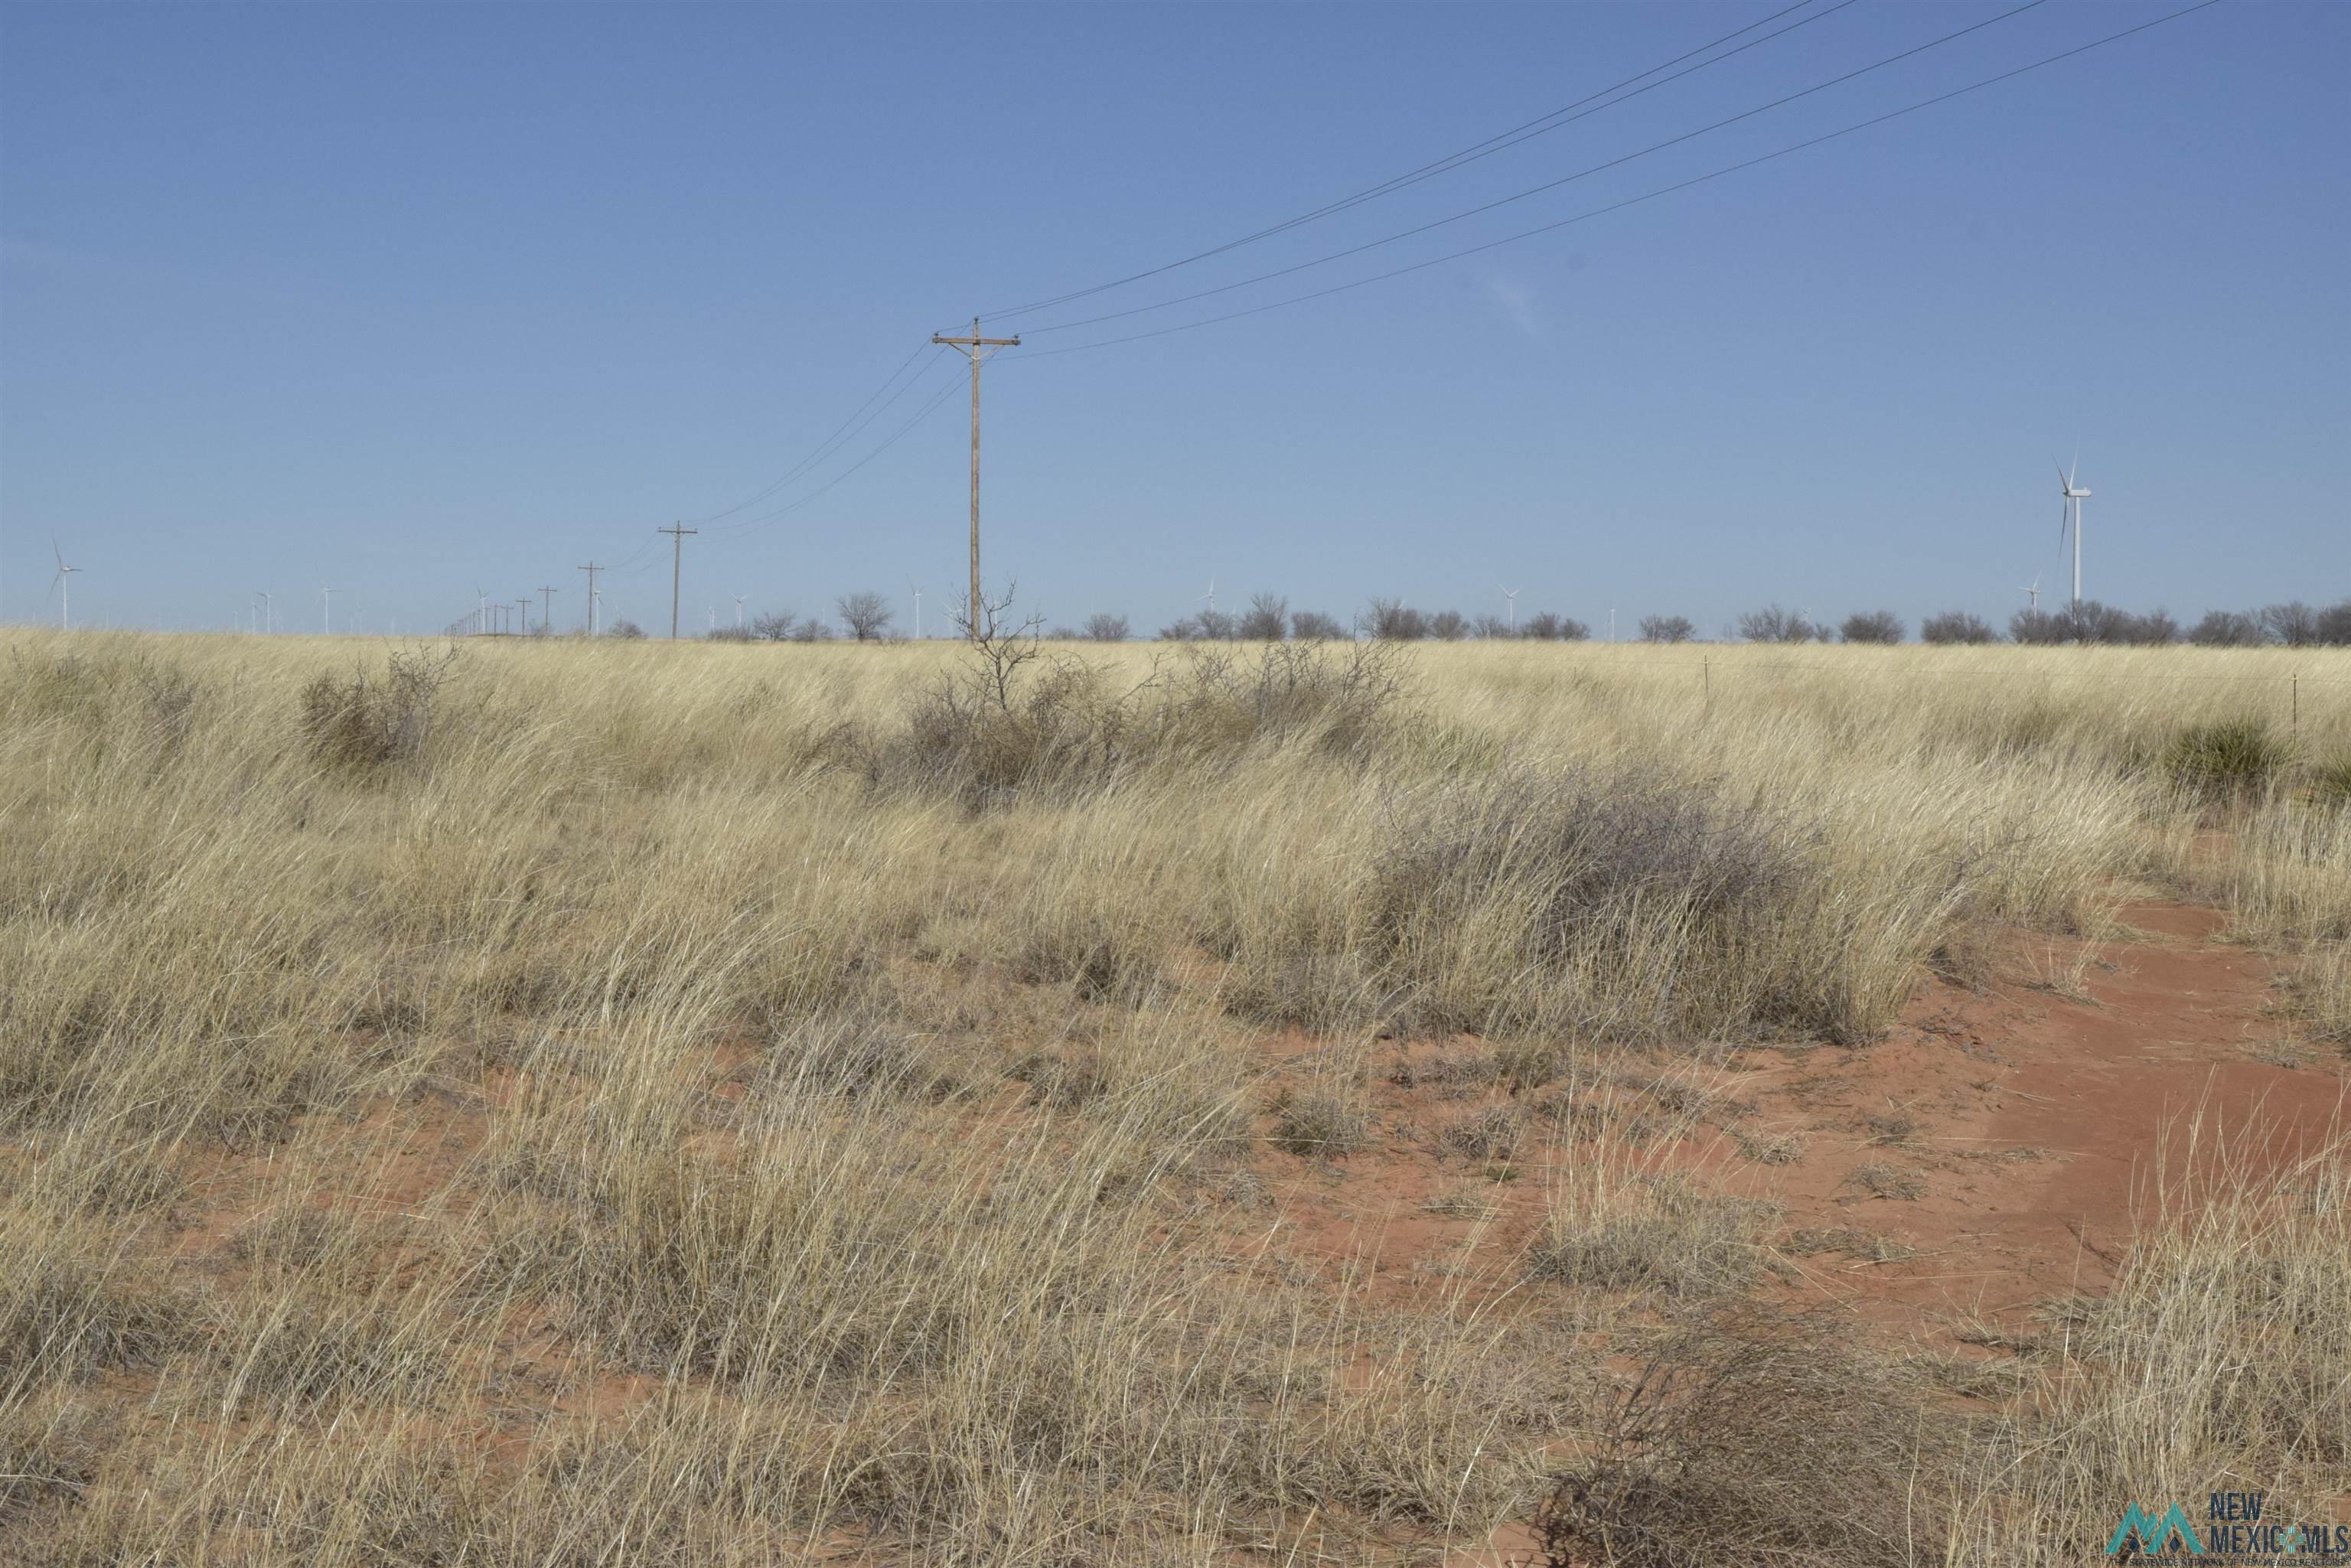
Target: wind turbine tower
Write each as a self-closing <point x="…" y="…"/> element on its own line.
<point x="1510" y="599"/>
<point x="2031" y="592"/>
<point x="2074" y="497"/>
<point x="327" y="609"/>
<point x="62" y="586"/>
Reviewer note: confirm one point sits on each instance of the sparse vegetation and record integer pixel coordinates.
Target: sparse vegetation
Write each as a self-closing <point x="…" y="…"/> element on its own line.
<point x="595" y="1102"/>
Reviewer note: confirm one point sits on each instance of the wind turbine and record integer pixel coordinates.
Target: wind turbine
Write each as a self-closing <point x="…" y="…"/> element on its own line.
<point x="62" y="586"/>
<point x="1210" y="597"/>
<point x="918" y="612"/>
<point x="2032" y="592"/>
<point x="327" y="609"/>
<point x="738" y="610"/>
<point x="2072" y="501"/>
<point x="1510" y="598"/>
<point x="268" y="610"/>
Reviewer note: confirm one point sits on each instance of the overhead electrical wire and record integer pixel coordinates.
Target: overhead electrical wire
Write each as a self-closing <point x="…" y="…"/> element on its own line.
<point x="1538" y="126"/>
<point x="817" y="454"/>
<point x="1635" y="201"/>
<point x="931" y="406"/>
<point x="1538" y="190"/>
<point x="884" y="397"/>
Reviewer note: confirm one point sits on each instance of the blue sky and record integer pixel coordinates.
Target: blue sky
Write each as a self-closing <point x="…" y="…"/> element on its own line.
<point x="418" y="299"/>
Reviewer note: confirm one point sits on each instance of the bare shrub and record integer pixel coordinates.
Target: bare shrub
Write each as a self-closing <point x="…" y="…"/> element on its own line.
<point x="1880" y="626"/>
<point x="1314" y="626"/>
<point x="1267" y="620"/>
<point x="1773" y="624"/>
<point x="867" y="615"/>
<point x="1105" y="628"/>
<point x="1667" y="629"/>
<point x="361" y="723"/>
<point x="1726" y="1444"/>
<point x="1951" y="626"/>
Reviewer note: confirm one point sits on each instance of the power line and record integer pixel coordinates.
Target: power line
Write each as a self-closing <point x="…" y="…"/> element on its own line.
<point x="1631" y="201"/>
<point x="936" y="401"/>
<point x="1546" y="185"/>
<point x="1451" y="161"/>
<point x="825" y="446"/>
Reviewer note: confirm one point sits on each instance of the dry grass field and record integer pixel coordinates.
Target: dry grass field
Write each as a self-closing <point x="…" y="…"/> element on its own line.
<point x="553" y="1102"/>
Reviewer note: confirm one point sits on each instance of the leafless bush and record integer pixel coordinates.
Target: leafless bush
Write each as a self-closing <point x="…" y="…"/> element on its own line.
<point x="1104" y="628"/>
<point x="1773" y="624"/>
<point x="1667" y="629"/>
<point x="1956" y="626"/>
<point x="1881" y="626"/>
<point x="1267" y="618"/>
<point x="867" y="615"/>
<point x="361" y="723"/>
<point x="1394" y="621"/>
<point x="1752" y="1439"/>
<point x="1314" y="626"/>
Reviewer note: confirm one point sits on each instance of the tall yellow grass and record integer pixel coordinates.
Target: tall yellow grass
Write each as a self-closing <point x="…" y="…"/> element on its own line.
<point x="724" y="1020"/>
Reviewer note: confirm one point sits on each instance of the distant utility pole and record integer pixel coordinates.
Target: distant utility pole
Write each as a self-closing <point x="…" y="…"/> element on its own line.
<point x="523" y="604"/>
<point x="591" y="568"/>
<point x="546" y="616"/>
<point x="677" y="533"/>
<point x="972" y="346"/>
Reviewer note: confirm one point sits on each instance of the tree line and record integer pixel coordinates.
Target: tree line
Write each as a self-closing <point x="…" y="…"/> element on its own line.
<point x="869" y="617"/>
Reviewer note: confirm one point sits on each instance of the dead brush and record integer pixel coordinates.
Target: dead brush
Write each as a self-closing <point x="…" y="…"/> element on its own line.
<point x="1749" y="1437"/>
<point x="361" y="722"/>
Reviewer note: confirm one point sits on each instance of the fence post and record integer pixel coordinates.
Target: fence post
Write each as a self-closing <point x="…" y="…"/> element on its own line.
<point x="2297" y="724"/>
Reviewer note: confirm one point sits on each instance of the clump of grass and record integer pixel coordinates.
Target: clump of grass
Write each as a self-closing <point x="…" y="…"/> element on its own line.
<point x="2330" y="780"/>
<point x="1893" y="1129"/>
<point x="1780" y="1148"/>
<point x="1491" y="1134"/>
<point x="1319" y="1125"/>
<point x="1905" y="1184"/>
<point x="1846" y="1241"/>
<point x="1657" y="1234"/>
<point x="2226" y="758"/>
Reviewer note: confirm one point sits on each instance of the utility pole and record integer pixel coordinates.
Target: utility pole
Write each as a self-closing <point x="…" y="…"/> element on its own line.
<point x="523" y="604"/>
<point x="546" y="615"/>
<point x="676" y="532"/>
<point x="591" y="568"/>
<point x="972" y="346"/>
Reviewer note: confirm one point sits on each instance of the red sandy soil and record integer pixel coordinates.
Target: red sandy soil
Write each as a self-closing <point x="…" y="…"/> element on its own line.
<point x="2033" y="1120"/>
<point x="2038" y="1118"/>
